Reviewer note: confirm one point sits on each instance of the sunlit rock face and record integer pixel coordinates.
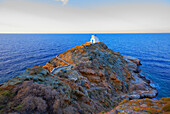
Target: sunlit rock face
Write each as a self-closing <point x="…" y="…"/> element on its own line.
<point x="142" y="106"/>
<point x="88" y="78"/>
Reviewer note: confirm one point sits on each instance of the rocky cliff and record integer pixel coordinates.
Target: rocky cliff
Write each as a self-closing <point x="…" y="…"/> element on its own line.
<point x="89" y="78"/>
<point x="142" y="106"/>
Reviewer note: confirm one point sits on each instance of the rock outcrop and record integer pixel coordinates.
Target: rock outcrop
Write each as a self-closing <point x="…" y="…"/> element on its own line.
<point x="142" y="106"/>
<point x="88" y="78"/>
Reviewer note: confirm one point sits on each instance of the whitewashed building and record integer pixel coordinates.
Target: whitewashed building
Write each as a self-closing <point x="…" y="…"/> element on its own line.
<point x="94" y="39"/>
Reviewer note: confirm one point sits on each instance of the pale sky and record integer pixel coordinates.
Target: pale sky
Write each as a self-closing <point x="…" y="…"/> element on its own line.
<point x="84" y="16"/>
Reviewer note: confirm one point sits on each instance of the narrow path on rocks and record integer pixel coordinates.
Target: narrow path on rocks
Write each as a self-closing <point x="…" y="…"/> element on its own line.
<point x="56" y="69"/>
<point x="62" y="60"/>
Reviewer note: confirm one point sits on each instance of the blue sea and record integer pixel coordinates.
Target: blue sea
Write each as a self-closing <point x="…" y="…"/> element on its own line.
<point x="20" y="51"/>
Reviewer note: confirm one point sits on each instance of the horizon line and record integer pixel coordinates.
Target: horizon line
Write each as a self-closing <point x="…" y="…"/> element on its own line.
<point x="74" y="32"/>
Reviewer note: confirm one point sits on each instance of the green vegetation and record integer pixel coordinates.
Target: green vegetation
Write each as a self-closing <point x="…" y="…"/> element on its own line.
<point x="165" y="99"/>
<point x="6" y="93"/>
<point x="1" y="106"/>
<point x="147" y="100"/>
<point x="31" y="73"/>
<point x="1" y="98"/>
<point x="35" y="70"/>
<point x="102" y="112"/>
<point x="166" y="108"/>
<point x="19" y="107"/>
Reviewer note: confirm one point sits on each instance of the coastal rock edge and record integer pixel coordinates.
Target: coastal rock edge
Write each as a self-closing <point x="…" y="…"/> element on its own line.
<point x="88" y="78"/>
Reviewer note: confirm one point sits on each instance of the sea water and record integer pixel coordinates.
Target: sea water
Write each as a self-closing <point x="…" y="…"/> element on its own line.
<point x="21" y="51"/>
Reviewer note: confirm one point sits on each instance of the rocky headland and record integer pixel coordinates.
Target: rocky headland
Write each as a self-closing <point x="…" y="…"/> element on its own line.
<point x="142" y="106"/>
<point x="89" y="78"/>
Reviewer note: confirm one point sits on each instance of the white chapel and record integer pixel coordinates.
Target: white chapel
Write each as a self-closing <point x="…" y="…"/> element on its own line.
<point x="94" y="39"/>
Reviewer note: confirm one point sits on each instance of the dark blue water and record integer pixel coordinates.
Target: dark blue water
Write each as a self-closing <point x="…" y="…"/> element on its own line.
<point x="20" y="51"/>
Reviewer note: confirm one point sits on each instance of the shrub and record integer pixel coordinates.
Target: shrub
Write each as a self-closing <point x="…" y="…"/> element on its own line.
<point x="6" y="92"/>
<point x="1" y="106"/>
<point x="165" y="99"/>
<point x="102" y="112"/>
<point x="166" y="107"/>
<point x="31" y="73"/>
<point x="19" y="107"/>
<point x="56" y="106"/>
<point x="147" y="100"/>
<point x="1" y="98"/>
<point x="33" y="104"/>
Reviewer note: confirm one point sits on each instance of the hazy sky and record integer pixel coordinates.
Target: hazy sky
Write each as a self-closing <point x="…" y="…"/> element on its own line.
<point x="58" y="16"/>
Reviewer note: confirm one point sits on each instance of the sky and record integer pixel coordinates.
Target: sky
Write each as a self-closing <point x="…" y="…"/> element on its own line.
<point x="84" y="16"/>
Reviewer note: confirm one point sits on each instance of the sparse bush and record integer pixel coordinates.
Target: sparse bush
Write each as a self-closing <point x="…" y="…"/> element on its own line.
<point x="19" y="107"/>
<point x="32" y="104"/>
<point x="165" y="99"/>
<point x="166" y="108"/>
<point x="33" y="97"/>
<point x="6" y="92"/>
<point x="1" y="106"/>
<point x="2" y="99"/>
<point x="31" y="73"/>
<point x="56" y="106"/>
